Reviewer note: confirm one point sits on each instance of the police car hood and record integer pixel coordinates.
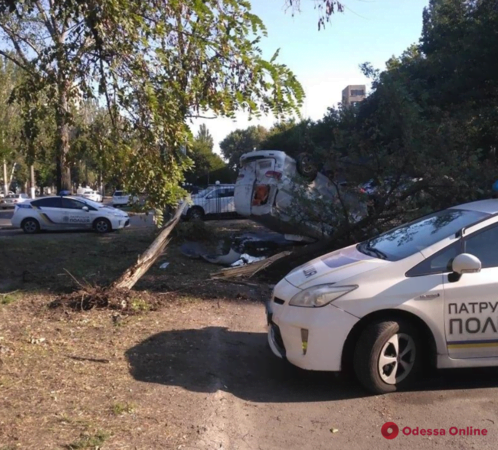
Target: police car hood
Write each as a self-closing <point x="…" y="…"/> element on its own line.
<point x="333" y="268"/>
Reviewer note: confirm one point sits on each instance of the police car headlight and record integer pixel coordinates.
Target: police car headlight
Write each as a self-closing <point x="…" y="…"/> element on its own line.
<point x="321" y="295"/>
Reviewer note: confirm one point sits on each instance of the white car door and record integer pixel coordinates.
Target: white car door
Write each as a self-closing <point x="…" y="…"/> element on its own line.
<point x="49" y="212"/>
<point x="73" y="214"/>
<point x="212" y="202"/>
<point x="471" y="301"/>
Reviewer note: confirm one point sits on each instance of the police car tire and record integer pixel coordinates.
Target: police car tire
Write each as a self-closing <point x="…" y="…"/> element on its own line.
<point x="34" y="230"/>
<point x="96" y="227"/>
<point x="195" y="213"/>
<point x="368" y="350"/>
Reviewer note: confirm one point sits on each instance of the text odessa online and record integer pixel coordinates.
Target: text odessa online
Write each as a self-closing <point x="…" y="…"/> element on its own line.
<point x="453" y="431"/>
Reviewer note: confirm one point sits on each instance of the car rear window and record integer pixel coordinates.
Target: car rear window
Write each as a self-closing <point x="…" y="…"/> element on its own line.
<point x="118" y="193"/>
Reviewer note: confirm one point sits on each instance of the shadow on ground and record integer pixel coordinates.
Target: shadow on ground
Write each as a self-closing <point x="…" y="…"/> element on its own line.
<point x="214" y="358"/>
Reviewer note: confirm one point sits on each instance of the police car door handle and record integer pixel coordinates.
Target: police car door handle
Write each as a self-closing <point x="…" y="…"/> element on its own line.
<point x="428" y="296"/>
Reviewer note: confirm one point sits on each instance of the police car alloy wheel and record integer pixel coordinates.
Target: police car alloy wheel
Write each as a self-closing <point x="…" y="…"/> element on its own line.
<point x="30" y="226"/>
<point x="387" y="356"/>
<point x="102" y="225"/>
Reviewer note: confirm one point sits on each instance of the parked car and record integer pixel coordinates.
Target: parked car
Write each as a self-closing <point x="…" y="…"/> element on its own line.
<point x="424" y="292"/>
<point x="91" y="195"/>
<point x="12" y="200"/>
<point x="120" y="198"/>
<point x="215" y="200"/>
<point x="2" y="195"/>
<point x="67" y="213"/>
<point x="265" y="189"/>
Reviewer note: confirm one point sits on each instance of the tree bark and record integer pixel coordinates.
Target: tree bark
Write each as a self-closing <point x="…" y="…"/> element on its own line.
<point x="150" y="256"/>
<point x="63" y="169"/>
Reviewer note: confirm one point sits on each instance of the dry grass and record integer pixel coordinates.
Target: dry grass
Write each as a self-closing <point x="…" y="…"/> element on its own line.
<point x="65" y="380"/>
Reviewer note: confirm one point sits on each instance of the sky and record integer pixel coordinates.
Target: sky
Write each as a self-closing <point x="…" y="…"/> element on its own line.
<point x="326" y="61"/>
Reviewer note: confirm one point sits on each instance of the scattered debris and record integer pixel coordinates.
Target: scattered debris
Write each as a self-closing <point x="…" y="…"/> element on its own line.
<point x="164" y="265"/>
<point x="334" y="430"/>
<point x="247" y="259"/>
<point x="249" y="270"/>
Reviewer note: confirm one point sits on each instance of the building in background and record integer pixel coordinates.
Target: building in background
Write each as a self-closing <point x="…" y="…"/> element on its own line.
<point x="353" y="94"/>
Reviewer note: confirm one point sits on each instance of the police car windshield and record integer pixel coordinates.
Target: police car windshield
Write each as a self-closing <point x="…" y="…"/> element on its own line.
<point x="413" y="237"/>
<point x="204" y="192"/>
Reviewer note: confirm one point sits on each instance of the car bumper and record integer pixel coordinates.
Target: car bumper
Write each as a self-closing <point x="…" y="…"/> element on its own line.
<point x="309" y="338"/>
<point x="120" y="223"/>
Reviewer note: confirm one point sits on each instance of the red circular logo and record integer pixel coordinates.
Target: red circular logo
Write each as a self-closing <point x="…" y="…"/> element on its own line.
<point x="389" y="430"/>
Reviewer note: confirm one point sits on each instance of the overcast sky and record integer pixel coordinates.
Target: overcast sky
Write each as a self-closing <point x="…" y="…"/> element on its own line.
<point x="326" y="61"/>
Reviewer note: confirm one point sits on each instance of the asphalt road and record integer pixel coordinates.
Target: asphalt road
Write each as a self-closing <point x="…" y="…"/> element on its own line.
<point x="136" y="221"/>
<point x="214" y="362"/>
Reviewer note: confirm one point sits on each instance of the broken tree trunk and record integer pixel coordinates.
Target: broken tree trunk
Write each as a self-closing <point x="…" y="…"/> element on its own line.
<point x="149" y="257"/>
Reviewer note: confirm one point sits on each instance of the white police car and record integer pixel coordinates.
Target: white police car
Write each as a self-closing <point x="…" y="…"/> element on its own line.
<point x="425" y="292"/>
<point x="67" y="213"/>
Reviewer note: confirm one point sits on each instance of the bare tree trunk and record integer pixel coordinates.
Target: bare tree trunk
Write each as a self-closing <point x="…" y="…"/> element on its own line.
<point x="5" y="180"/>
<point x="63" y="169"/>
<point x="32" y="182"/>
<point x="149" y="257"/>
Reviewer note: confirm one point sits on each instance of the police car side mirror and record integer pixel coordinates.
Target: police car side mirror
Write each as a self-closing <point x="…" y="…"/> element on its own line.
<point x="464" y="263"/>
<point x="85" y="208"/>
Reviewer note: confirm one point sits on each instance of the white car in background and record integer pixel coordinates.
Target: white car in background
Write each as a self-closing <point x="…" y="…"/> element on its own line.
<point x="67" y="213"/>
<point x="215" y="200"/>
<point x="122" y="198"/>
<point x="11" y="200"/>
<point x="424" y="292"/>
<point x="91" y="195"/>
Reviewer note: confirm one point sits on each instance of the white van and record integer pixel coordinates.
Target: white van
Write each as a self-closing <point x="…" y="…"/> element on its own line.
<point x="265" y="189"/>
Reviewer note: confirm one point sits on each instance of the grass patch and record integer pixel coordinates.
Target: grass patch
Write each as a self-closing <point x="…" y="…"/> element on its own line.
<point x="121" y="408"/>
<point x="139" y="305"/>
<point x="8" y="298"/>
<point x="90" y="441"/>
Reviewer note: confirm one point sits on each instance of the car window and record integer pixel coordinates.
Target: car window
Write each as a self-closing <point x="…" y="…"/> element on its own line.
<point x="411" y="238"/>
<point x="484" y="245"/>
<point x="118" y="193"/>
<point x="437" y="263"/>
<point x="11" y="196"/>
<point x="50" y="202"/>
<point x="70" y="203"/>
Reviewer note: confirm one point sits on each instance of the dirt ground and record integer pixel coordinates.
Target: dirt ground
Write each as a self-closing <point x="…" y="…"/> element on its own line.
<point x="192" y="371"/>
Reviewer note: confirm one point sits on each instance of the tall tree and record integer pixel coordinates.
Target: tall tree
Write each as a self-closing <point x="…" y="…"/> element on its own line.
<point x="205" y="160"/>
<point x="242" y="141"/>
<point x="156" y="64"/>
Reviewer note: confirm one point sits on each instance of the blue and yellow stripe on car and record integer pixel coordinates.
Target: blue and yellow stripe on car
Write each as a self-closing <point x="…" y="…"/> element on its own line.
<point x="473" y="344"/>
<point x="45" y="218"/>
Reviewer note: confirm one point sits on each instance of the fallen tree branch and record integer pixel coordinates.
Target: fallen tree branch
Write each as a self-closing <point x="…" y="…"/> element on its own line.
<point x="248" y="270"/>
<point x="129" y="278"/>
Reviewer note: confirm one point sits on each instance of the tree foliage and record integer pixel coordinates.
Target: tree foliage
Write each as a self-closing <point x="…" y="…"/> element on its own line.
<point x="426" y="135"/>
<point x="156" y="64"/>
<point x="242" y="141"/>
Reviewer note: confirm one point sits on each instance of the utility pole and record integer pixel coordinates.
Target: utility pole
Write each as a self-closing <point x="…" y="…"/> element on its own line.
<point x="33" y="189"/>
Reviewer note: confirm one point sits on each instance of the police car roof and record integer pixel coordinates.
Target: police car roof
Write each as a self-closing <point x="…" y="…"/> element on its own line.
<point x="485" y="206"/>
